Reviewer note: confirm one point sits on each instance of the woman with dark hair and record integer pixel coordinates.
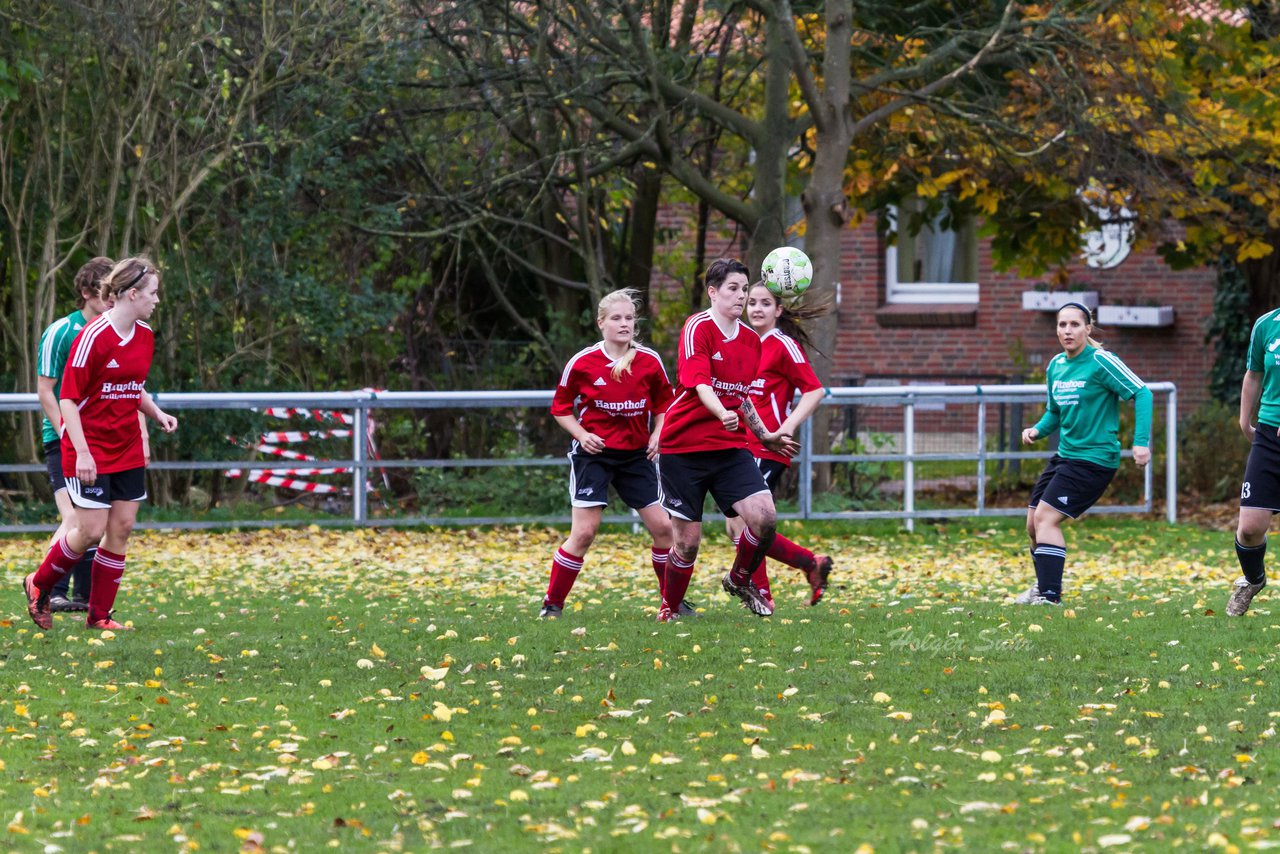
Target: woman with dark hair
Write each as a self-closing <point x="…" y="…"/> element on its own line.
<point x="1085" y="385"/>
<point x="784" y="370"/>
<point x="103" y="390"/>
<point x="704" y="446"/>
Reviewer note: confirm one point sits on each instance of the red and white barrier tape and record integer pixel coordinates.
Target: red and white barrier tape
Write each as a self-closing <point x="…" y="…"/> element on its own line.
<point x="266" y="477"/>
<point x="289" y="437"/>
<point x="317" y="414"/>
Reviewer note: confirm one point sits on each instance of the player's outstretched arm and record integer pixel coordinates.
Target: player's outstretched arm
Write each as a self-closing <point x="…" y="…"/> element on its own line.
<point x="779" y="442"/>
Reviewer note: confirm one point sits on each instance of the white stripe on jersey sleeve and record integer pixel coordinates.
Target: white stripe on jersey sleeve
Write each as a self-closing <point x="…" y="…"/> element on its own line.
<point x="657" y="358"/>
<point x="1119" y="370"/>
<point x="793" y="348"/>
<point x="573" y="360"/>
<point x="84" y="344"/>
<point x="689" y="327"/>
<point x="45" y="362"/>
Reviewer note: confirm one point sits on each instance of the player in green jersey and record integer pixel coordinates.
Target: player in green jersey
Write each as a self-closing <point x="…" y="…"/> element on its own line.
<point x="1085" y="385"/>
<point x="1260" y="492"/>
<point x="55" y="346"/>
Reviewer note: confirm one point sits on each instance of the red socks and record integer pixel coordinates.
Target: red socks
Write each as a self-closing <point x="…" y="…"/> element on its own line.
<point x="108" y="567"/>
<point x="659" y="559"/>
<point x="57" y="562"/>
<point x="678" y="576"/>
<point x="751" y="553"/>
<point x="564" y="571"/>
<point x="791" y="554"/>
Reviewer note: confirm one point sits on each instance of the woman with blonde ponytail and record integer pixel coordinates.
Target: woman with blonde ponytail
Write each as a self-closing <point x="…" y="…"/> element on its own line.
<point x="622" y="393"/>
<point x="1085" y="385"/>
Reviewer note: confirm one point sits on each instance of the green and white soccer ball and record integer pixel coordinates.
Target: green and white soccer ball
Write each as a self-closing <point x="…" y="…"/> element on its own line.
<point x="787" y="272"/>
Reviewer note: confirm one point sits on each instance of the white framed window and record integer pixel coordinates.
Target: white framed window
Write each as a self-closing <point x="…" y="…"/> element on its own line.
<point x="935" y="265"/>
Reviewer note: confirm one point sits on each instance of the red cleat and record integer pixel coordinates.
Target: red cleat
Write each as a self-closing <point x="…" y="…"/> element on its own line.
<point x="37" y="603"/>
<point x="666" y="615"/>
<point x="818" y="578"/>
<point x="106" y="624"/>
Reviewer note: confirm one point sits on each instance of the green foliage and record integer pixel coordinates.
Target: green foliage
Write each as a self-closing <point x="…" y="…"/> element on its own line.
<point x="1228" y="331"/>
<point x="497" y="491"/>
<point x="1211" y="452"/>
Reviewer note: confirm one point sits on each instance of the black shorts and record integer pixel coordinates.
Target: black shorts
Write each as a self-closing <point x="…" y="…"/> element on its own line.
<point x="633" y="476"/>
<point x="1070" y="486"/>
<point x="53" y="464"/>
<point x="1261" y="487"/>
<point x="730" y="476"/>
<point x="772" y="471"/>
<point x="127" y="485"/>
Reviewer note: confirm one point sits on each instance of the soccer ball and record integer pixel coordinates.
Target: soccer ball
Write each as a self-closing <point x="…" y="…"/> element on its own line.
<point x="787" y="272"/>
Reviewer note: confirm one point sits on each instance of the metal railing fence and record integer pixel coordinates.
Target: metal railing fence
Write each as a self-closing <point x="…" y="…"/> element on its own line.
<point x="909" y="398"/>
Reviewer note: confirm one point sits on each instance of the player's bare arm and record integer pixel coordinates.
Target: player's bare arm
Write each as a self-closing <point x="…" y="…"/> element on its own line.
<point x="778" y="442"/>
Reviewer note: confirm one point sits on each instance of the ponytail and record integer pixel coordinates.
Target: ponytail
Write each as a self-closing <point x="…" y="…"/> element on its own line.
<point x="794" y="320"/>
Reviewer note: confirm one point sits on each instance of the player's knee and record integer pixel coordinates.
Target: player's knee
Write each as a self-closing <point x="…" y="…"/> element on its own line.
<point x="86" y="534"/>
<point x="1047" y="518"/>
<point x="121" y="529"/>
<point x="1251" y="535"/>
<point x="686" y="551"/>
<point x="766" y="529"/>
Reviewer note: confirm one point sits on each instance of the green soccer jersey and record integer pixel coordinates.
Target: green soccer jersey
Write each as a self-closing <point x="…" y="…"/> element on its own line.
<point x="1264" y="357"/>
<point x="1084" y="396"/>
<point x="55" y="346"/>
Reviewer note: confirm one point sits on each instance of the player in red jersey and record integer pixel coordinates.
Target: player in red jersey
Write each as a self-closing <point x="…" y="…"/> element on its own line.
<point x="102" y="456"/>
<point x="704" y="447"/>
<point x="784" y="370"/>
<point x="622" y="393"/>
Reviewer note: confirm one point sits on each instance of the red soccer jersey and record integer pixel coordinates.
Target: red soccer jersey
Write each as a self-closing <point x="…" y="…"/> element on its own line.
<point x="105" y="376"/>
<point x="729" y="365"/>
<point x="784" y="369"/>
<point x="615" y="410"/>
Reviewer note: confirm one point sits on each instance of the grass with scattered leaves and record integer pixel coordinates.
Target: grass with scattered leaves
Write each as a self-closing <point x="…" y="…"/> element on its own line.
<point x="391" y="691"/>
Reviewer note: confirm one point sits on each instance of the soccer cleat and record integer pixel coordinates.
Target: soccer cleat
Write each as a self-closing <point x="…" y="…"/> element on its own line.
<point x="1242" y="594"/>
<point x="1028" y="596"/>
<point x="106" y="624"/>
<point x="768" y="597"/>
<point x="752" y="599"/>
<point x="61" y="604"/>
<point x="818" y="578"/>
<point x="687" y="609"/>
<point x="550" y="612"/>
<point x="37" y="603"/>
<point x="666" y="615"/>
<point x="1042" y="600"/>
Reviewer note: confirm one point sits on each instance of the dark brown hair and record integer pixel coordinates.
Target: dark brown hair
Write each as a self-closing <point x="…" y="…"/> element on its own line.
<point x="796" y="315"/>
<point x="89" y="278"/>
<point x="722" y="268"/>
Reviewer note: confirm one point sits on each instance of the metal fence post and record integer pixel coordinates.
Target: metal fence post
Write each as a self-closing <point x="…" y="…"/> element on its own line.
<point x="806" y="468"/>
<point x="909" y="465"/>
<point x="1171" y="457"/>
<point x="982" y="453"/>
<point x="359" y="455"/>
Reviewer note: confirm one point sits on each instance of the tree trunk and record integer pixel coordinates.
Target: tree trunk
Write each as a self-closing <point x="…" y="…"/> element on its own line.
<point x="826" y="211"/>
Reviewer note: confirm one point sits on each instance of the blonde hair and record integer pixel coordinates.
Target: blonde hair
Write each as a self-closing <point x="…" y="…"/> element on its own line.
<point x="629" y="295"/>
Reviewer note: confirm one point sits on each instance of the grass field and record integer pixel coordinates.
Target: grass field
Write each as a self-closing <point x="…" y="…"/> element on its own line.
<point x="391" y="691"/>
